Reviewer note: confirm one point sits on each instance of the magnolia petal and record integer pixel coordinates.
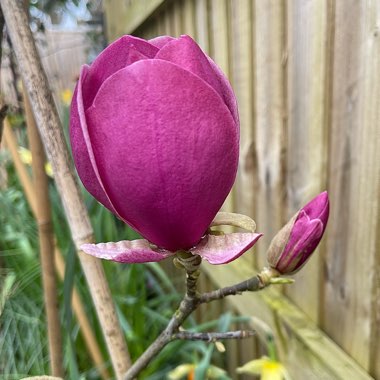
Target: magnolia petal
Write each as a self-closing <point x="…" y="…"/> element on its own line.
<point x="276" y="247"/>
<point x="297" y="252"/>
<point x="83" y="153"/>
<point x="232" y="219"/>
<point x="161" y="41"/>
<point x="318" y="208"/>
<point x="227" y="90"/>
<point x="185" y="53"/>
<point x="224" y="248"/>
<point x="183" y="162"/>
<point x="80" y="143"/>
<point x="126" y="251"/>
<point x="121" y="53"/>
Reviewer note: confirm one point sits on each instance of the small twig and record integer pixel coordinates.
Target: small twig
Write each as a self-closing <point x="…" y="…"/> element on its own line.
<point x="213" y="336"/>
<point x="252" y="284"/>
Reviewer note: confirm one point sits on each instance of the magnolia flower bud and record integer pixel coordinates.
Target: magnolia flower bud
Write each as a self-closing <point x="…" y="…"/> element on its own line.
<point x="297" y="240"/>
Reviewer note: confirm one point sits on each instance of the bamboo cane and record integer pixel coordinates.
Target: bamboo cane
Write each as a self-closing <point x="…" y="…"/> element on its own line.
<point x="77" y="305"/>
<point x="11" y="143"/>
<point x="48" y="122"/>
<point x="46" y="240"/>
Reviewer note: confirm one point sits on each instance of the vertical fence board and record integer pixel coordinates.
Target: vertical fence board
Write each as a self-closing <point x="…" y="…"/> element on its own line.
<point x="242" y="78"/>
<point x="219" y="49"/>
<point x="369" y="186"/>
<point x="201" y="20"/>
<point x="270" y="112"/>
<point x="307" y="136"/>
<point x="241" y="69"/>
<point x="189" y="18"/>
<point x="354" y="178"/>
<point x="306" y="76"/>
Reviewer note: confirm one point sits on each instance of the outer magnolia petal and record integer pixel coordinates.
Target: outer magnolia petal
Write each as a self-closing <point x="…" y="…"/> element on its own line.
<point x="159" y="126"/>
<point x="126" y="251"/>
<point x="121" y="53"/>
<point x="225" y="248"/>
<point x="82" y="148"/>
<point x="318" y="208"/>
<point x="79" y="147"/>
<point x="227" y="90"/>
<point x="185" y="53"/>
<point x="297" y="252"/>
<point x="160" y="41"/>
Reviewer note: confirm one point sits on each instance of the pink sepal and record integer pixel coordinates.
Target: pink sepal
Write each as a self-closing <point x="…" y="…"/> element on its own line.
<point x="127" y="251"/>
<point x="224" y="248"/>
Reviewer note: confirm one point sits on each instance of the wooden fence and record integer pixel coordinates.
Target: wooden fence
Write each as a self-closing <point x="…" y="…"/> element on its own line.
<point x="307" y="78"/>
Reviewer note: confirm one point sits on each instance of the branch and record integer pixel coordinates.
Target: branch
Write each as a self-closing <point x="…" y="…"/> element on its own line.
<point x="190" y="302"/>
<point x="213" y="336"/>
<point x="252" y="284"/>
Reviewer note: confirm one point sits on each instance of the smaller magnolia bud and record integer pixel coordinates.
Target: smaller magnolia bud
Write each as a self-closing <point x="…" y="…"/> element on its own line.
<point x="297" y="240"/>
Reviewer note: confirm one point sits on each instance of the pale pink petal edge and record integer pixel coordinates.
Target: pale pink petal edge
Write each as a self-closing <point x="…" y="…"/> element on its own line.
<point x="126" y="251"/>
<point x="225" y="248"/>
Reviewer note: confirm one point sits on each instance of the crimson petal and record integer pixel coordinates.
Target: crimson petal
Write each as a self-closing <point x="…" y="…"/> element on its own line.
<point x="166" y="148"/>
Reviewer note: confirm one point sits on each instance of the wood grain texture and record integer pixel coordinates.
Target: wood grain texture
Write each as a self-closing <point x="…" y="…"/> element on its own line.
<point x="354" y="181"/>
<point x="176" y="17"/>
<point x="189" y="25"/>
<point x="315" y="123"/>
<point x="307" y="352"/>
<point x="220" y="53"/>
<point x="202" y="25"/>
<point x="127" y="16"/>
<point x="270" y="123"/>
<point x="242" y="72"/>
<point x="307" y="88"/>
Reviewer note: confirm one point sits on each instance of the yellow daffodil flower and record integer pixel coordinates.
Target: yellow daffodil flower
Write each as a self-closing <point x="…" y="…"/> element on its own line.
<point x="268" y="369"/>
<point x="26" y="158"/>
<point x="66" y="96"/>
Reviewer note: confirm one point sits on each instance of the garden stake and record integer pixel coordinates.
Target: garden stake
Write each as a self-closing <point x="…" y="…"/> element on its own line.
<point x="46" y="243"/>
<point x="49" y="125"/>
<point x="77" y="305"/>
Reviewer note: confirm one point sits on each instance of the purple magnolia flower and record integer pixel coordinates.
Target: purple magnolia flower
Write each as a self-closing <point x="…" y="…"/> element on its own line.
<point x="154" y="130"/>
<point x="297" y="240"/>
